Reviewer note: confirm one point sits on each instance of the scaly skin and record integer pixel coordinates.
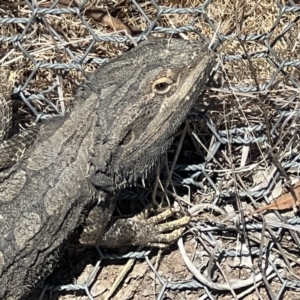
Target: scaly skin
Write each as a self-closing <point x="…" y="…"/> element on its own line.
<point x="11" y="150"/>
<point x="123" y="119"/>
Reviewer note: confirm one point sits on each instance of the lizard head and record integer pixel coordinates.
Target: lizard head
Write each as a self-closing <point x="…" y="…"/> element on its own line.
<point x="144" y="96"/>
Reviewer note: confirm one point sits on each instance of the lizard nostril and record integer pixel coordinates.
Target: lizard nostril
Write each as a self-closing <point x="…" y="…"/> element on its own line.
<point x="128" y="138"/>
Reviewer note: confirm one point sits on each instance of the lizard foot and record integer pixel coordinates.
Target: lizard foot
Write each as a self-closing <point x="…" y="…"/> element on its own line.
<point x="139" y="230"/>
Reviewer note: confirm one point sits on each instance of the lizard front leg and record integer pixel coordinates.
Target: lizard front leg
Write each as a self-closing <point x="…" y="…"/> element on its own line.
<point x="95" y="224"/>
<point x="156" y="231"/>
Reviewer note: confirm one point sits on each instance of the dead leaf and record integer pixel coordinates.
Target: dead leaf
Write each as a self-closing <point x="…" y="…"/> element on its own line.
<point x="100" y="14"/>
<point x="285" y="201"/>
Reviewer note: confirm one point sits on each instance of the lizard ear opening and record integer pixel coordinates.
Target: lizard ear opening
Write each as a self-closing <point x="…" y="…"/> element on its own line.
<point x="128" y="138"/>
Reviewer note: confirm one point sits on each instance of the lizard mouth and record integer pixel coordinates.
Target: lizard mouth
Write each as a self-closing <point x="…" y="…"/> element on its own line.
<point x="128" y="138"/>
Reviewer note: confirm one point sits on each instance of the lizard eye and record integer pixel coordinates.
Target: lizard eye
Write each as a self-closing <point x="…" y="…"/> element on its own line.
<point x="162" y="85"/>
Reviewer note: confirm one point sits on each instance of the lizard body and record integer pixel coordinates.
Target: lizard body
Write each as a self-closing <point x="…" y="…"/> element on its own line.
<point x="124" y="118"/>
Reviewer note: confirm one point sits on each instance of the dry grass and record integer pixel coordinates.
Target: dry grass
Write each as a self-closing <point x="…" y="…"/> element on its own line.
<point x="234" y="168"/>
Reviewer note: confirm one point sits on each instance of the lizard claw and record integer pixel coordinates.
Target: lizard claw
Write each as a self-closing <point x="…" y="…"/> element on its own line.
<point x="139" y="230"/>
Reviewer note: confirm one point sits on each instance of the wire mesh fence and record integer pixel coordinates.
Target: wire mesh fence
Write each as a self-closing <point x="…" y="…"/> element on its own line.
<point x="239" y="149"/>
